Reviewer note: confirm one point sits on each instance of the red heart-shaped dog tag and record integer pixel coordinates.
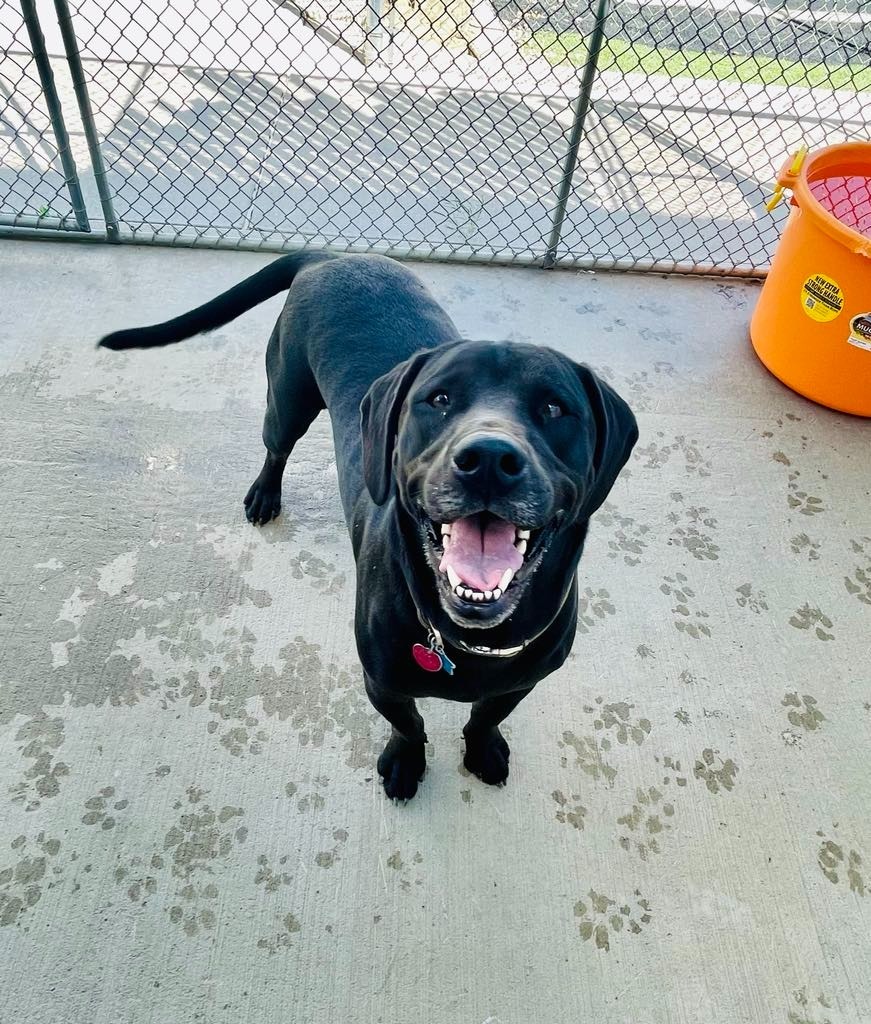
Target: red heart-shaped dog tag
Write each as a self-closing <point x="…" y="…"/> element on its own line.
<point x="428" y="660"/>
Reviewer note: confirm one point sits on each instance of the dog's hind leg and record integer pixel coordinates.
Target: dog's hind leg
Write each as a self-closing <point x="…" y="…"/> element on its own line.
<point x="292" y="403"/>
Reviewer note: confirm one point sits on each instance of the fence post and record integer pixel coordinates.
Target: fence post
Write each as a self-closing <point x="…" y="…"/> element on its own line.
<point x="581" y="107"/>
<point x="373" y="43"/>
<point x="71" y="47"/>
<point x="55" y="113"/>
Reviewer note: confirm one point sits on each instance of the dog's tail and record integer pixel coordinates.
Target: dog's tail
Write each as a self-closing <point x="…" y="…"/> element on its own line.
<point x="269" y="281"/>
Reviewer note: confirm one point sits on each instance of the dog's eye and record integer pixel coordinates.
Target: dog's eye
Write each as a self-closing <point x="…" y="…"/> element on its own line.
<point x="552" y="410"/>
<point x="439" y="400"/>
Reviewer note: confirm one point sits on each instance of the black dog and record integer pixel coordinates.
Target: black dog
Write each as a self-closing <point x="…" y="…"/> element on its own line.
<point x="468" y="472"/>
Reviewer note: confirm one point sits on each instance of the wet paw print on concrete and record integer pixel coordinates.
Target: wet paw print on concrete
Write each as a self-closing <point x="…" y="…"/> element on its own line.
<point x="313" y="800"/>
<point x="859" y="584"/>
<point x="654" y="455"/>
<point x="715" y="776"/>
<point x="601" y="918"/>
<point x="321" y="575"/>
<point x="653" y="810"/>
<point x="98" y="809"/>
<point x="648" y="818"/>
<point x="806" y="1012"/>
<point x="840" y="864"/>
<point x="690" y="620"/>
<point x="187" y="688"/>
<point x="802" y="544"/>
<point x="673" y="771"/>
<point x="732" y="296"/>
<point x="593" y="606"/>
<point x="612" y="722"/>
<point x="283" y="938"/>
<point x="799" y="500"/>
<point x="791" y="416"/>
<point x="657" y="454"/>
<point x="747" y="598"/>
<point x="270" y="878"/>
<point x="405" y="869"/>
<point x="141" y="884"/>
<point x="627" y="541"/>
<point x="618" y="721"/>
<point x="40" y="737"/>
<point x="803" y="712"/>
<point x="317" y="698"/>
<point x="320" y="699"/>
<point x="571" y="811"/>
<point x="812" y="618"/>
<point x="197" y="911"/>
<point x="327" y="858"/>
<point x="588" y="757"/>
<point x="201" y="838"/>
<point x="637" y="386"/>
<point x="692" y="535"/>
<point x="22" y="884"/>
<point x="242" y="739"/>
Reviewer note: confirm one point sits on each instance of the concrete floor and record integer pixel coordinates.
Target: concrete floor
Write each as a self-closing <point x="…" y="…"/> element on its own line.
<point x="190" y="829"/>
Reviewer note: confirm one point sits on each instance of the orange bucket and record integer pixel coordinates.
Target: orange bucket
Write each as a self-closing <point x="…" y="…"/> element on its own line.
<point x="812" y="325"/>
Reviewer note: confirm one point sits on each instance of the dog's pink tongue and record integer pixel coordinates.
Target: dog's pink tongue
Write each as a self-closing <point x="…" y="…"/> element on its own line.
<point x="481" y="556"/>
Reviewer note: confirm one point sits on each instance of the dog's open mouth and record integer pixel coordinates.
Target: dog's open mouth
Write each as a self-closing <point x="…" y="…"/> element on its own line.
<point x="481" y="558"/>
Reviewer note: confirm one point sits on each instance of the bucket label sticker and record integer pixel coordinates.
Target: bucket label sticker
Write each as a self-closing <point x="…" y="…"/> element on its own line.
<point x="860" y="331"/>
<point x="821" y="298"/>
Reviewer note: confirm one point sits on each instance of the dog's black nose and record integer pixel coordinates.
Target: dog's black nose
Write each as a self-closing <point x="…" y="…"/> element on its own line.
<point x="490" y="460"/>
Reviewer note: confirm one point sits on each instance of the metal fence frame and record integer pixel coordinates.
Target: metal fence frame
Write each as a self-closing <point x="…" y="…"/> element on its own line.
<point x="44" y="70"/>
<point x="80" y="226"/>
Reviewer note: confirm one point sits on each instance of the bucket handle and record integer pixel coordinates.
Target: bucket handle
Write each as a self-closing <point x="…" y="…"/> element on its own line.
<point x="788" y="176"/>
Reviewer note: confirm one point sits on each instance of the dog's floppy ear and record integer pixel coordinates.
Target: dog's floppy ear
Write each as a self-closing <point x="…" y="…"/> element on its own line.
<point x="379" y="423"/>
<point x="616" y="434"/>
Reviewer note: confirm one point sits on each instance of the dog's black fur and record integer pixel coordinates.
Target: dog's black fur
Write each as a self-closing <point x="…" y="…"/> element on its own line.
<point x="428" y="429"/>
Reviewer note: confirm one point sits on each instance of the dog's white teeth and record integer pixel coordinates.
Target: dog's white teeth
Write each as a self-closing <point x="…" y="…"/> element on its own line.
<point x="453" y="578"/>
<point x="507" y="577"/>
<point x="446" y="529"/>
<point x="468" y="594"/>
<point x="521" y="546"/>
<point x="523" y="534"/>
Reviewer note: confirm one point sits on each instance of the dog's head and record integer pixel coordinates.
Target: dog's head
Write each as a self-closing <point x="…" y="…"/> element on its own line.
<point x="499" y="452"/>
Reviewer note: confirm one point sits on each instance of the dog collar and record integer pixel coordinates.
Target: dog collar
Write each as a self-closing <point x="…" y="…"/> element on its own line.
<point x="433" y="658"/>
<point x="491" y="652"/>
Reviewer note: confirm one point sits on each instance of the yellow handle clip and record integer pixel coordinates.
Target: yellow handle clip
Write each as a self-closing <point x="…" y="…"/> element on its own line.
<point x="787" y="177"/>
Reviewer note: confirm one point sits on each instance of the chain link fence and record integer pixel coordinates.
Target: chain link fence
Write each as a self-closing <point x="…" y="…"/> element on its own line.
<point x="38" y="179"/>
<point x="640" y="134"/>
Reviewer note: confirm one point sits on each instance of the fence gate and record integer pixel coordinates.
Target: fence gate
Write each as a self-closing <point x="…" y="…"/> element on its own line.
<point x="636" y="134"/>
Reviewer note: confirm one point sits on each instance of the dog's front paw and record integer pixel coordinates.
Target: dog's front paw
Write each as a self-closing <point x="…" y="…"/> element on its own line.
<point x="487" y="755"/>
<point x="401" y="766"/>
<point x="262" y="502"/>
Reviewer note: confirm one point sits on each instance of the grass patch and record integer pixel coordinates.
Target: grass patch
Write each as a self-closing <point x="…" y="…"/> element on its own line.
<point x="622" y="55"/>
